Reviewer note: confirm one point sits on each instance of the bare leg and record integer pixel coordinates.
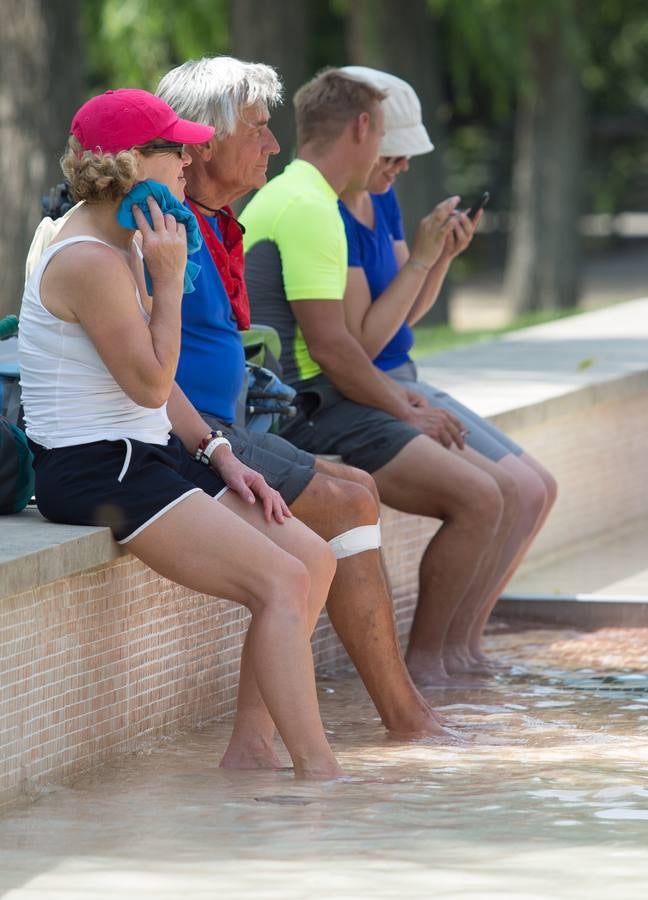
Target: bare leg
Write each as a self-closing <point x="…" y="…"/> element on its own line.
<point x="457" y="657"/>
<point x="359" y="602"/>
<point x="537" y="491"/>
<point x="251" y="745"/>
<point x="426" y="479"/>
<point x="206" y="547"/>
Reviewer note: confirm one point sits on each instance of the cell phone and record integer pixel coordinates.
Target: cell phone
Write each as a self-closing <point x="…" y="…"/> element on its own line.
<point x="472" y="211"/>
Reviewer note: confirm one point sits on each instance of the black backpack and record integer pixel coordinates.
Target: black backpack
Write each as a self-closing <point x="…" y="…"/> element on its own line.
<point x="16" y="471"/>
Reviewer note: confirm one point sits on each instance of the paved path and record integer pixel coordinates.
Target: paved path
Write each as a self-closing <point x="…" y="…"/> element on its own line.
<point x="544" y="361"/>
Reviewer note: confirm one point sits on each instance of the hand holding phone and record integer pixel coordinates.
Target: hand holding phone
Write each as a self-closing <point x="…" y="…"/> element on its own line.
<point x="472" y="211"/>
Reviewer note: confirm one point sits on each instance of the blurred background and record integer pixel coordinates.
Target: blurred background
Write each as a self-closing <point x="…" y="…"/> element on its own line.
<point x="541" y="102"/>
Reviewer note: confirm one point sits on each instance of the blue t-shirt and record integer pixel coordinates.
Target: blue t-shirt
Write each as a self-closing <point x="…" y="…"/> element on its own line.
<point x="373" y="251"/>
<point x="212" y="360"/>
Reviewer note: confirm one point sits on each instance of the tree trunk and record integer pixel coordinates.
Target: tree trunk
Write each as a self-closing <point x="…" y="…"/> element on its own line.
<point x="274" y="32"/>
<point x="543" y="261"/>
<point x="39" y="85"/>
<point x="401" y="40"/>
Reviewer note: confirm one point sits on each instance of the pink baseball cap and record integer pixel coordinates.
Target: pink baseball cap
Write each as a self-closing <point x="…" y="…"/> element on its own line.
<point x="129" y="117"/>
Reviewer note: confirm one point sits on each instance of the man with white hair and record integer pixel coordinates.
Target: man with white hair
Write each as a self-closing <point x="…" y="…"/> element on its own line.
<point x="338" y="502"/>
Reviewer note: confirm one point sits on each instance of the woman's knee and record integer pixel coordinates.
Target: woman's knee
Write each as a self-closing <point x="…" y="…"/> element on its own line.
<point x="487" y="502"/>
<point x="509" y="490"/>
<point x="321" y="564"/>
<point x="550" y="486"/>
<point x="285" y="589"/>
<point x="535" y="494"/>
<point x="549" y="483"/>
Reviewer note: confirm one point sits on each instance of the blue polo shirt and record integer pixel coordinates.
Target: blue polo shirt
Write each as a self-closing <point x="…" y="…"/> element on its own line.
<point x="212" y="360"/>
<point x="372" y="250"/>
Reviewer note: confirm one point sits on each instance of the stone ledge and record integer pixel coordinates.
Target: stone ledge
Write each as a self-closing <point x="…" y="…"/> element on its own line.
<point x="543" y="362"/>
<point x="583" y="611"/>
<point x="534" y="414"/>
<point x="34" y="552"/>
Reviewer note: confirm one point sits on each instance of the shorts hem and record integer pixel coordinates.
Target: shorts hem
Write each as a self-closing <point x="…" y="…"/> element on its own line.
<point x="382" y="459"/>
<point x="161" y="512"/>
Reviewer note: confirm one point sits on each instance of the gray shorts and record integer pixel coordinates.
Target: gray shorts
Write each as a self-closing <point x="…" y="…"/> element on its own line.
<point x="328" y="423"/>
<point x="286" y="468"/>
<point x="482" y="436"/>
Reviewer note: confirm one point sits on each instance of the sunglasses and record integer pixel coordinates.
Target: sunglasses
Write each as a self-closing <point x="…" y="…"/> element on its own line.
<point x="169" y="147"/>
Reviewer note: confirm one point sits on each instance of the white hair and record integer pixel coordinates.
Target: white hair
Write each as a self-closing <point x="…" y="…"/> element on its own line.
<point x="215" y="90"/>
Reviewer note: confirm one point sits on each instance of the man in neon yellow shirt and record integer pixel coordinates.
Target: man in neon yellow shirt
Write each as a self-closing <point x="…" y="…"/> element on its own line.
<point x="296" y="264"/>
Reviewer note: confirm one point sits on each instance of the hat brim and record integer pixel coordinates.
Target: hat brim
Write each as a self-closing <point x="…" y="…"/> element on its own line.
<point x="408" y="140"/>
<point x="185" y="132"/>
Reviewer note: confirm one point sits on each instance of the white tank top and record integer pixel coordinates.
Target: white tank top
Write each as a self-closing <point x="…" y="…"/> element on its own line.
<point x="68" y="394"/>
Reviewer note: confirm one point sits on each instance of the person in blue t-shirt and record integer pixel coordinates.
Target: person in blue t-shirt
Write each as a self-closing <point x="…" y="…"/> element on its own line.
<point x="210" y="333"/>
<point x="388" y="290"/>
<point x="338" y="502"/>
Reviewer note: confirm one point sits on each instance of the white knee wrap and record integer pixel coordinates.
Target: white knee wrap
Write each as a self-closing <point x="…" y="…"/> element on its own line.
<point x="356" y="540"/>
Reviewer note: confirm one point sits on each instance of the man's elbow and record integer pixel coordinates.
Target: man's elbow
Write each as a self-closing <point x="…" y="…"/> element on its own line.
<point x="324" y="353"/>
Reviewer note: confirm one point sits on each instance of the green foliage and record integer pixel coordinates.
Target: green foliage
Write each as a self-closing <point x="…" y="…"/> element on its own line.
<point x="133" y="44"/>
<point x="484" y="63"/>
<point x="436" y="338"/>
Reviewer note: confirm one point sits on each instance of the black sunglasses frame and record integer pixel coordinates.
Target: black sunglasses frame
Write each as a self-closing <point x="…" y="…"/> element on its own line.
<point x="169" y="147"/>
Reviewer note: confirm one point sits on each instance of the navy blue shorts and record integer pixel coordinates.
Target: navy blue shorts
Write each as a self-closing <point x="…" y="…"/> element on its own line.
<point x="124" y="484"/>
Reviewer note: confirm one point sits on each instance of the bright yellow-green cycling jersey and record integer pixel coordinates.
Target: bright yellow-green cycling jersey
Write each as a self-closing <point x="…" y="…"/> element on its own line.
<point x="295" y="249"/>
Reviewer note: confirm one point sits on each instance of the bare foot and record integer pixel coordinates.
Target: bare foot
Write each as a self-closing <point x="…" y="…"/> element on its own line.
<point x="459" y="662"/>
<point x="438" y="734"/>
<point x="416" y="727"/>
<point x="325" y="770"/>
<point x="413" y="719"/>
<point x="483" y="660"/>
<point x="250" y="754"/>
<point x="426" y="672"/>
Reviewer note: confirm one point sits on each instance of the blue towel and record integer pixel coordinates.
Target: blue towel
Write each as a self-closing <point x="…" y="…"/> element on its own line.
<point x="168" y="204"/>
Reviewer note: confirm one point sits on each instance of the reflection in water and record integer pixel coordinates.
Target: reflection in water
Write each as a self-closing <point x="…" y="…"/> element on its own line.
<point x="545" y="796"/>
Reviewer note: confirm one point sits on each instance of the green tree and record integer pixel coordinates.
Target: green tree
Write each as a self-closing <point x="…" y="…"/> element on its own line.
<point x="543" y="260"/>
<point x="275" y="32"/>
<point x="402" y="39"/>
<point x="561" y="65"/>
<point x="41" y="69"/>
<point x="133" y="44"/>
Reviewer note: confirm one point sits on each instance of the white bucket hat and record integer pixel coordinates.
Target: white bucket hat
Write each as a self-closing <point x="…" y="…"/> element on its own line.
<point x="405" y="134"/>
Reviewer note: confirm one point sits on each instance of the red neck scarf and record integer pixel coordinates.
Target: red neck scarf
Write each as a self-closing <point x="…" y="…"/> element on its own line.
<point x="227" y="256"/>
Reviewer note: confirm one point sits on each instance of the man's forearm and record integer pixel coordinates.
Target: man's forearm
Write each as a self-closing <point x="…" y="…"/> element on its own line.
<point x="354" y="375"/>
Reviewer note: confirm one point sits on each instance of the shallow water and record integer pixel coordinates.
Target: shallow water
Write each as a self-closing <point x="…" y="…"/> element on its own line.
<point x="547" y="796"/>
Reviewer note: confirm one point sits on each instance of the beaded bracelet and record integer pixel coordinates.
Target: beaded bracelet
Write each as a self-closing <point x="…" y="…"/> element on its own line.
<point x="208" y="445"/>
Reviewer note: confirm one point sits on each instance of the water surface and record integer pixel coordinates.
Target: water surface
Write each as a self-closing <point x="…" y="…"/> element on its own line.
<point x="547" y="796"/>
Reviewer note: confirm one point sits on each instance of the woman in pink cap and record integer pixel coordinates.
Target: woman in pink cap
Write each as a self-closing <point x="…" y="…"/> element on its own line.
<point x="116" y="442"/>
<point x="388" y="290"/>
